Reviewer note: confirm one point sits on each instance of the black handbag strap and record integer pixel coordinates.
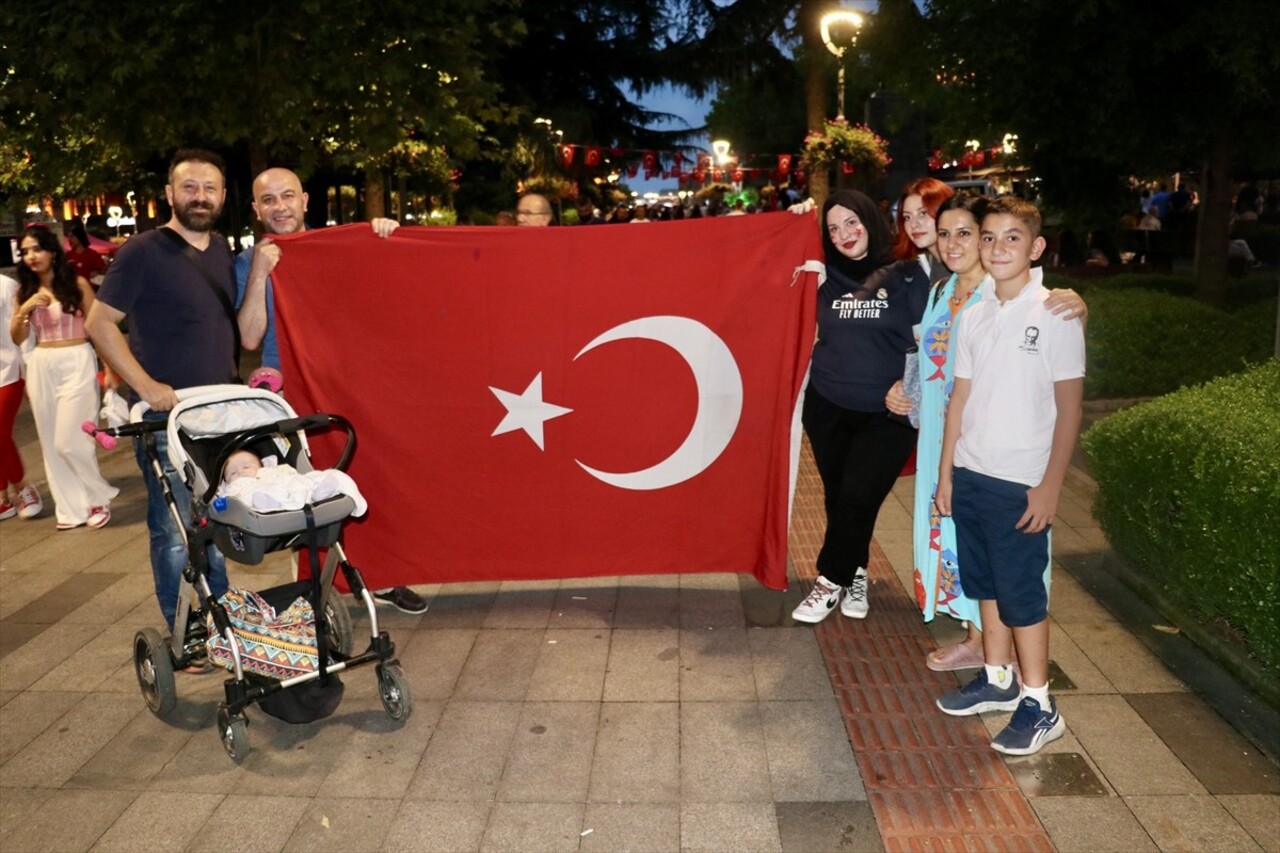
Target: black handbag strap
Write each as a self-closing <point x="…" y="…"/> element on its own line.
<point x="190" y="253"/>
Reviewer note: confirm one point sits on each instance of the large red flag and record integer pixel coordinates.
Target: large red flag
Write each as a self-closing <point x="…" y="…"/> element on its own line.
<point x="558" y="402"/>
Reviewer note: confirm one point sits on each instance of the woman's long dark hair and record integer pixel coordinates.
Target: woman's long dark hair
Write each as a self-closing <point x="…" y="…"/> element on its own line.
<point x="879" y="243"/>
<point x="65" y="288"/>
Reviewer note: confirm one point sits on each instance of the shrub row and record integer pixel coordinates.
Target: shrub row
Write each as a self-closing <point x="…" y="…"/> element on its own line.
<point x="1143" y="343"/>
<point x="1189" y="495"/>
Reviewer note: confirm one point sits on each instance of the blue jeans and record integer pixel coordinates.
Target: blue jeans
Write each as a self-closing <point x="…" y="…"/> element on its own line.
<point x="168" y="548"/>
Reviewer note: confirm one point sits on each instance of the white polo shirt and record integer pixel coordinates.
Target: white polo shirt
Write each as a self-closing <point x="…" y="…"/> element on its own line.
<point x="1012" y="354"/>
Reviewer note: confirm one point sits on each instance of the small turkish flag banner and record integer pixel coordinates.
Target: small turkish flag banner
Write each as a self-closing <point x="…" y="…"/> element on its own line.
<point x="517" y="420"/>
<point x="633" y="168"/>
<point x="737" y="176"/>
<point x="593" y="156"/>
<point x="784" y="163"/>
<point x="566" y="154"/>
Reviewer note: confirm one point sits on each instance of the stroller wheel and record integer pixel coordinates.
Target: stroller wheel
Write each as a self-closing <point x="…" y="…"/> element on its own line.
<point x="154" y="668"/>
<point x="393" y="690"/>
<point x="234" y="733"/>
<point x="337" y="620"/>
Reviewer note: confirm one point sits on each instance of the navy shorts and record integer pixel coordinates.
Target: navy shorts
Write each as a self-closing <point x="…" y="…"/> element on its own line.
<point x="998" y="561"/>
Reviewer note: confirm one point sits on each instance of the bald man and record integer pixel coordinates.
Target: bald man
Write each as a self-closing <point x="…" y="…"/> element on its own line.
<point x="533" y="209"/>
<point x="281" y="205"/>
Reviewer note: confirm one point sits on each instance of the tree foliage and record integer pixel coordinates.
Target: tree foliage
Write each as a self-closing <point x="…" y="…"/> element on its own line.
<point x="1101" y="89"/>
<point x="344" y="82"/>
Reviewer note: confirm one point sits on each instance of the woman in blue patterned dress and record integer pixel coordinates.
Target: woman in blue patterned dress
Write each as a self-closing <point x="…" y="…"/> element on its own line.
<point x="937" y="578"/>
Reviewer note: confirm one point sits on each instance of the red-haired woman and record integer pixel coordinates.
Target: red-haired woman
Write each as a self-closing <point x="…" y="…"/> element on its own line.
<point x="62" y="370"/>
<point x="918" y="225"/>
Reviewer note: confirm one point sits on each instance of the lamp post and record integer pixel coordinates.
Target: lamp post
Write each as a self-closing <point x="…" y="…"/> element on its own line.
<point x="852" y="20"/>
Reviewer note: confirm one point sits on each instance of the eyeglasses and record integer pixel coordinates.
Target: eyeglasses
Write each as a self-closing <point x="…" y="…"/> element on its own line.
<point x="33" y="225"/>
<point x="533" y="213"/>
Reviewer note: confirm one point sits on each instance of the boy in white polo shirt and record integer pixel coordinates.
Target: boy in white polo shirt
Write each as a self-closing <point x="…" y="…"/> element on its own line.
<point x="1011" y="427"/>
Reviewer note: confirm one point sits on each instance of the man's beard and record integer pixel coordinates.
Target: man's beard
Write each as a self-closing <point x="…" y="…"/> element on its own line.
<point x="197" y="215"/>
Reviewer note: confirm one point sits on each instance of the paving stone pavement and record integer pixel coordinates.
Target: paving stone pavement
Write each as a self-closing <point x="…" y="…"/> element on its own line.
<point x="647" y="713"/>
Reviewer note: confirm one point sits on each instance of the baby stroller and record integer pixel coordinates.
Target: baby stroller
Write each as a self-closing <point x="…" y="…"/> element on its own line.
<point x="290" y="672"/>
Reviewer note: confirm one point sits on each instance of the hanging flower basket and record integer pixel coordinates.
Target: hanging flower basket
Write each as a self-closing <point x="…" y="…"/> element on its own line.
<point x="855" y="146"/>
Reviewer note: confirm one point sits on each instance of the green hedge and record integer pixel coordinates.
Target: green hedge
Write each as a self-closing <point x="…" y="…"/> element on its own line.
<point x="1142" y="343"/>
<point x="1189" y="495"/>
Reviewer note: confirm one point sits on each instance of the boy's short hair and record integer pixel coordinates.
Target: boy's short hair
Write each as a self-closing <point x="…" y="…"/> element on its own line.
<point x="1024" y="210"/>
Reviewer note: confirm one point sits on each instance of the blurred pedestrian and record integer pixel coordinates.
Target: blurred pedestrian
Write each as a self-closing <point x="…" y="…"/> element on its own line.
<point x="17" y="496"/>
<point x="85" y="260"/>
<point x="533" y="209"/>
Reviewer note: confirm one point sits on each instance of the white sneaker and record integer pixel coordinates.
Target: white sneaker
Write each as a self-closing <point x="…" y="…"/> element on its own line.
<point x="855" y="604"/>
<point x="819" y="603"/>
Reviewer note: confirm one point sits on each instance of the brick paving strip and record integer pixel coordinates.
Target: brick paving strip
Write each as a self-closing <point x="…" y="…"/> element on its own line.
<point x="933" y="781"/>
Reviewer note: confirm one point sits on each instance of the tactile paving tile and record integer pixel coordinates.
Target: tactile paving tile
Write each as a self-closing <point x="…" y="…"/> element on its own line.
<point x="933" y="782"/>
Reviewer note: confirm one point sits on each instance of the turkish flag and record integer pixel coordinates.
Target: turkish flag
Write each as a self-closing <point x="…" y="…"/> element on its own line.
<point x="520" y="417"/>
<point x="593" y="156"/>
<point x="784" y="163"/>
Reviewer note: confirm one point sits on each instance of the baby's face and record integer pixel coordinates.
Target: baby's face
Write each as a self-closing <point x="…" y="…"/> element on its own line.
<point x="242" y="463"/>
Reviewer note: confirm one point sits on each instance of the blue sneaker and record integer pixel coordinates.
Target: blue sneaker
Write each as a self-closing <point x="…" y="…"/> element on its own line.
<point x="980" y="695"/>
<point x="1030" y="729"/>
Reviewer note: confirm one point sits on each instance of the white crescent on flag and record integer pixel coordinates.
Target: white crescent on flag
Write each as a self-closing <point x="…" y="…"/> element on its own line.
<point x="719" y="384"/>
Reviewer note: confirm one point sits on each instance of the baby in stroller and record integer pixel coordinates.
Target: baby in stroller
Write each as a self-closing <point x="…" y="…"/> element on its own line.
<point x="264" y="638"/>
<point x="269" y="485"/>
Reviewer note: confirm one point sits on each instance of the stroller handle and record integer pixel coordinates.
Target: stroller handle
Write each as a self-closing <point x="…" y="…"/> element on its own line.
<point x="130" y="429"/>
<point x="307" y="423"/>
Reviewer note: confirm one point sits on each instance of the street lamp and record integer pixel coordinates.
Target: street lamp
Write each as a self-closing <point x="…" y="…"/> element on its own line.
<point x="852" y="20"/>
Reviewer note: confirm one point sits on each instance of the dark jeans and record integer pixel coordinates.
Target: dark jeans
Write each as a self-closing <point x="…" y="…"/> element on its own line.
<point x="859" y="457"/>
<point x="999" y="562"/>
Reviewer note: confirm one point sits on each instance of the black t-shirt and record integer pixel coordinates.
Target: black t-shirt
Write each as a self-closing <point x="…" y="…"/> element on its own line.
<point x="178" y="329"/>
<point x="864" y="333"/>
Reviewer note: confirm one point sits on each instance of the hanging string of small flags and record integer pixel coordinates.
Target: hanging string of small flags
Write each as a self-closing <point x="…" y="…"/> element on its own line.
<point x="688" y="168"/>
<point x="674" y="165"/>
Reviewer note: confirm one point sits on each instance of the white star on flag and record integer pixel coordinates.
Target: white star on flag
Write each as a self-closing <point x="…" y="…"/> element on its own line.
<point x="527" y="411"/>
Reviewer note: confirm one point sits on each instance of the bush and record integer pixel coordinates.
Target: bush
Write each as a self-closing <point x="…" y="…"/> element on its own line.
<point x="1189" y="495"/>
<point x="1254" y="286"/>
<point x="1142" y="343"/>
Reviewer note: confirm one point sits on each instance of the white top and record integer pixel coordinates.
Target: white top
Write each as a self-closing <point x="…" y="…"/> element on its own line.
<point x="1013" y="354"/>
<point x="10" y="353"/>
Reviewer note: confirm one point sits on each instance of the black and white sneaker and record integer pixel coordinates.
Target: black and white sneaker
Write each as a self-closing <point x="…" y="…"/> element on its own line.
<point x="819" y="603"/>
<point x="401" y="598"/>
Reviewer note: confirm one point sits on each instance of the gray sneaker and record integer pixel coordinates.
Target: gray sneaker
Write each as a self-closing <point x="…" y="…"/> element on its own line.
<point x="980" y="695"/>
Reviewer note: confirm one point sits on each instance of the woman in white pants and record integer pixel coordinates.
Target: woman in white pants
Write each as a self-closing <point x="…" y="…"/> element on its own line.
<point x="61" y="377"/>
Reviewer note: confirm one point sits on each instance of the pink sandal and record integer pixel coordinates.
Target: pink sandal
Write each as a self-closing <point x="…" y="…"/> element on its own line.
<point x="951" y="658"/>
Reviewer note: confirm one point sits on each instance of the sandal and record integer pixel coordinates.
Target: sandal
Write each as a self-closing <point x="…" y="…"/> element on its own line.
<point x="951" y="658"/>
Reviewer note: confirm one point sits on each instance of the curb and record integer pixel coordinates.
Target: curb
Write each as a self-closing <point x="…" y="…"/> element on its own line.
<point x="1228" y="654"/>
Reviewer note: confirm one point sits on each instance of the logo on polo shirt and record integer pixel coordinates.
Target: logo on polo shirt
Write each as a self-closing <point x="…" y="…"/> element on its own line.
<point x="1029" y="340"/>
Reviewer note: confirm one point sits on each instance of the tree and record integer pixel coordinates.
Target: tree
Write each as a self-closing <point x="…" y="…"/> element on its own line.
<point x="370" y="87"/>
<point x="1102" y="89"/>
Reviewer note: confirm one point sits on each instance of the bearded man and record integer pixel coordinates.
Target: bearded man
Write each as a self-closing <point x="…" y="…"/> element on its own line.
<point x="181" y="335"/>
